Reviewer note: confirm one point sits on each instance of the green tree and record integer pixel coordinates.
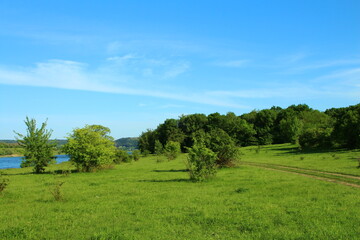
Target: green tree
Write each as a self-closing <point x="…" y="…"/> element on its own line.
<point x="147" y="141"/>
<point x="290" y="129"/>
<point x="169" y="131"/>
<point x="172" y="150"/>
<point x="90" y="147"/>
<point x="39" y="150"/>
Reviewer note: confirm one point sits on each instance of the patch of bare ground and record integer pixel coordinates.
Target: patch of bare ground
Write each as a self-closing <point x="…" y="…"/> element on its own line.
<point x="327" y="176"/>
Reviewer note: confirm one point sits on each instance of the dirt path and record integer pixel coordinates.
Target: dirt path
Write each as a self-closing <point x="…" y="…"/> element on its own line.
<point x="271" y="165"/>
<point x="287" y="169"/>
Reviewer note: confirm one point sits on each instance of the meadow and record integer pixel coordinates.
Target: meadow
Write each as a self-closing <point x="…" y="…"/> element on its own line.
<point x="154" y="199"/>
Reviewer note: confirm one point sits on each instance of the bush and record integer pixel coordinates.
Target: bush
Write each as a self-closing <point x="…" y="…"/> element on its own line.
<point x="145" y="153"/>
<point x="224" y="146"/>
<point x="227" y="156"/>
<point x="136" y="155"/>
<point x="4" y="182"/>
<point x="158" y="148"/>
<point x="201" y="163"/>
<point x="122" y="156"/>
<point x="172" y="150"/>
<point x="56" y="191"/>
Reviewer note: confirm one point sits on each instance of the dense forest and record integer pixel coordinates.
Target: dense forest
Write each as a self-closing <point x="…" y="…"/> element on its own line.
<point x="298" y="124"/>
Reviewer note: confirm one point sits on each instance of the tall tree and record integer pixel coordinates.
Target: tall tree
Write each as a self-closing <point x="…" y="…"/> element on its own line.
<point x="39" y="150"/>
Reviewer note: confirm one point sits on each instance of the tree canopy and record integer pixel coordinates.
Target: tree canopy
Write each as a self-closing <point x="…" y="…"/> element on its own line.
<point x="90" y="147"/>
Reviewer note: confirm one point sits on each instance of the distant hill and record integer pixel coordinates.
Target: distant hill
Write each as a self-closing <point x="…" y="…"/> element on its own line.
<point x="129" y="143"/>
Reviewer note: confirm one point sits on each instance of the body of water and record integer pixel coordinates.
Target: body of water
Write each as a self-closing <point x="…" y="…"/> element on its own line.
<point x="14" y="162"/>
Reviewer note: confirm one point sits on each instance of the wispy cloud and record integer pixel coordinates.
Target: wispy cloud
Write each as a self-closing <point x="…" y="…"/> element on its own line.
<point x="159" y="68"/>
<point x="322" y="65"/>
<point x="232" y="64"/>
<point x="293" y="58"/>
<point x="76" y="76"/>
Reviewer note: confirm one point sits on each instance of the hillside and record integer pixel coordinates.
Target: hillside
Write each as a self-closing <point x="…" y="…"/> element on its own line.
<point x="129" y="143"/>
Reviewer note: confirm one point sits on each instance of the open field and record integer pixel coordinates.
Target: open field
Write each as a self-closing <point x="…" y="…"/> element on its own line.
<point x="337" y="161"/>
<point x="154" y="200"/>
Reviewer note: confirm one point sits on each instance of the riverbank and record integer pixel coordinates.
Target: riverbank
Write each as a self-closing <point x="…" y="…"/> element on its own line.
<point x="11" y="155"/>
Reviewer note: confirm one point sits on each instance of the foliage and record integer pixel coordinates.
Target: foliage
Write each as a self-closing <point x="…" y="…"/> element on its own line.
<point x="224" y="147"/>
<point x="347" y="126"/>
<point x="290" y="129"/>
<point x="169" y="131"/>
<point x="201" y="163"/>
<point x="4" y="182"/>
<point x="38" y="150"/>
<point x="136" y="155"/>
<point x="267" y="126"/>
<point x="315" y="138"/>
<point x="122" y="155"/>
<point x="147" y="141"/>
<point x="158" y="148"/>
<point x="56" y="191"/>
<point x="172" y="150"/>
<point x="90" y="147"/>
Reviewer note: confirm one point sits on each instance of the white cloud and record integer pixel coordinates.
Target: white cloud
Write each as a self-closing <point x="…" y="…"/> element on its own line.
<point x="322" y="65"/>
<point x="74" y="75"/>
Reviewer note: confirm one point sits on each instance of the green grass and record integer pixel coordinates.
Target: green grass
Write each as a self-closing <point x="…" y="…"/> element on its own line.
<point x="155" y="200"/>
<point x="339" y="161"/>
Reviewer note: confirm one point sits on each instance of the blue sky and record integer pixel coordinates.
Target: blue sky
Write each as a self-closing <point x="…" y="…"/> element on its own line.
<point x="129" y="65"/>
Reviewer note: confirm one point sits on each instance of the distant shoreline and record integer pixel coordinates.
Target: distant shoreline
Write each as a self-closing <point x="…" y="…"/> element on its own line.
<point x="11" y="155"/>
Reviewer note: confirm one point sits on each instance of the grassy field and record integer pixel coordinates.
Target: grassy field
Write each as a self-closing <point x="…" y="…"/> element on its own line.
<point x="341" y="161"/>
<point x="155" y="200"/>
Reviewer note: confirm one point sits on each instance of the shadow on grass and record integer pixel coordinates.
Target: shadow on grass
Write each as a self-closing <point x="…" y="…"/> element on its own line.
<point x="165" y="181"/>
<point x="44" y="173"/>
<point x="172" y="170"/>
<point x="296" y="150"/>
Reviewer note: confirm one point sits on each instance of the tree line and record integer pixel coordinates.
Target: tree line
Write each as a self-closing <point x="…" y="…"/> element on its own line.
<point x="298" y="124"/>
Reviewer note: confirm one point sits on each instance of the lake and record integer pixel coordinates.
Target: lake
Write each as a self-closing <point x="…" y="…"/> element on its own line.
<point x="14" y="162"/>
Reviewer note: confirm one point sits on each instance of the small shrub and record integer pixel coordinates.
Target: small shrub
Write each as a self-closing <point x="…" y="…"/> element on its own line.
<point x="145" y="153"/>
<point x="56" y="191"/>
<point x="172" y="150"/>
<point x="228" y="156"/>
<point x="136" y="155"/>
<point x="158" y="148"/>
<point x="201" y="163"/>
<point x="302" y="158"/>
<point x="122" y="156"/>
<point x="257" y="150"/>
<point x="358" y="162"/>
<point x="4" y="182"/>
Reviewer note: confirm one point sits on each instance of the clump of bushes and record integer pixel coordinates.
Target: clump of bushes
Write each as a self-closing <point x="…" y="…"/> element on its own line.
<point x="201" y="163"/>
